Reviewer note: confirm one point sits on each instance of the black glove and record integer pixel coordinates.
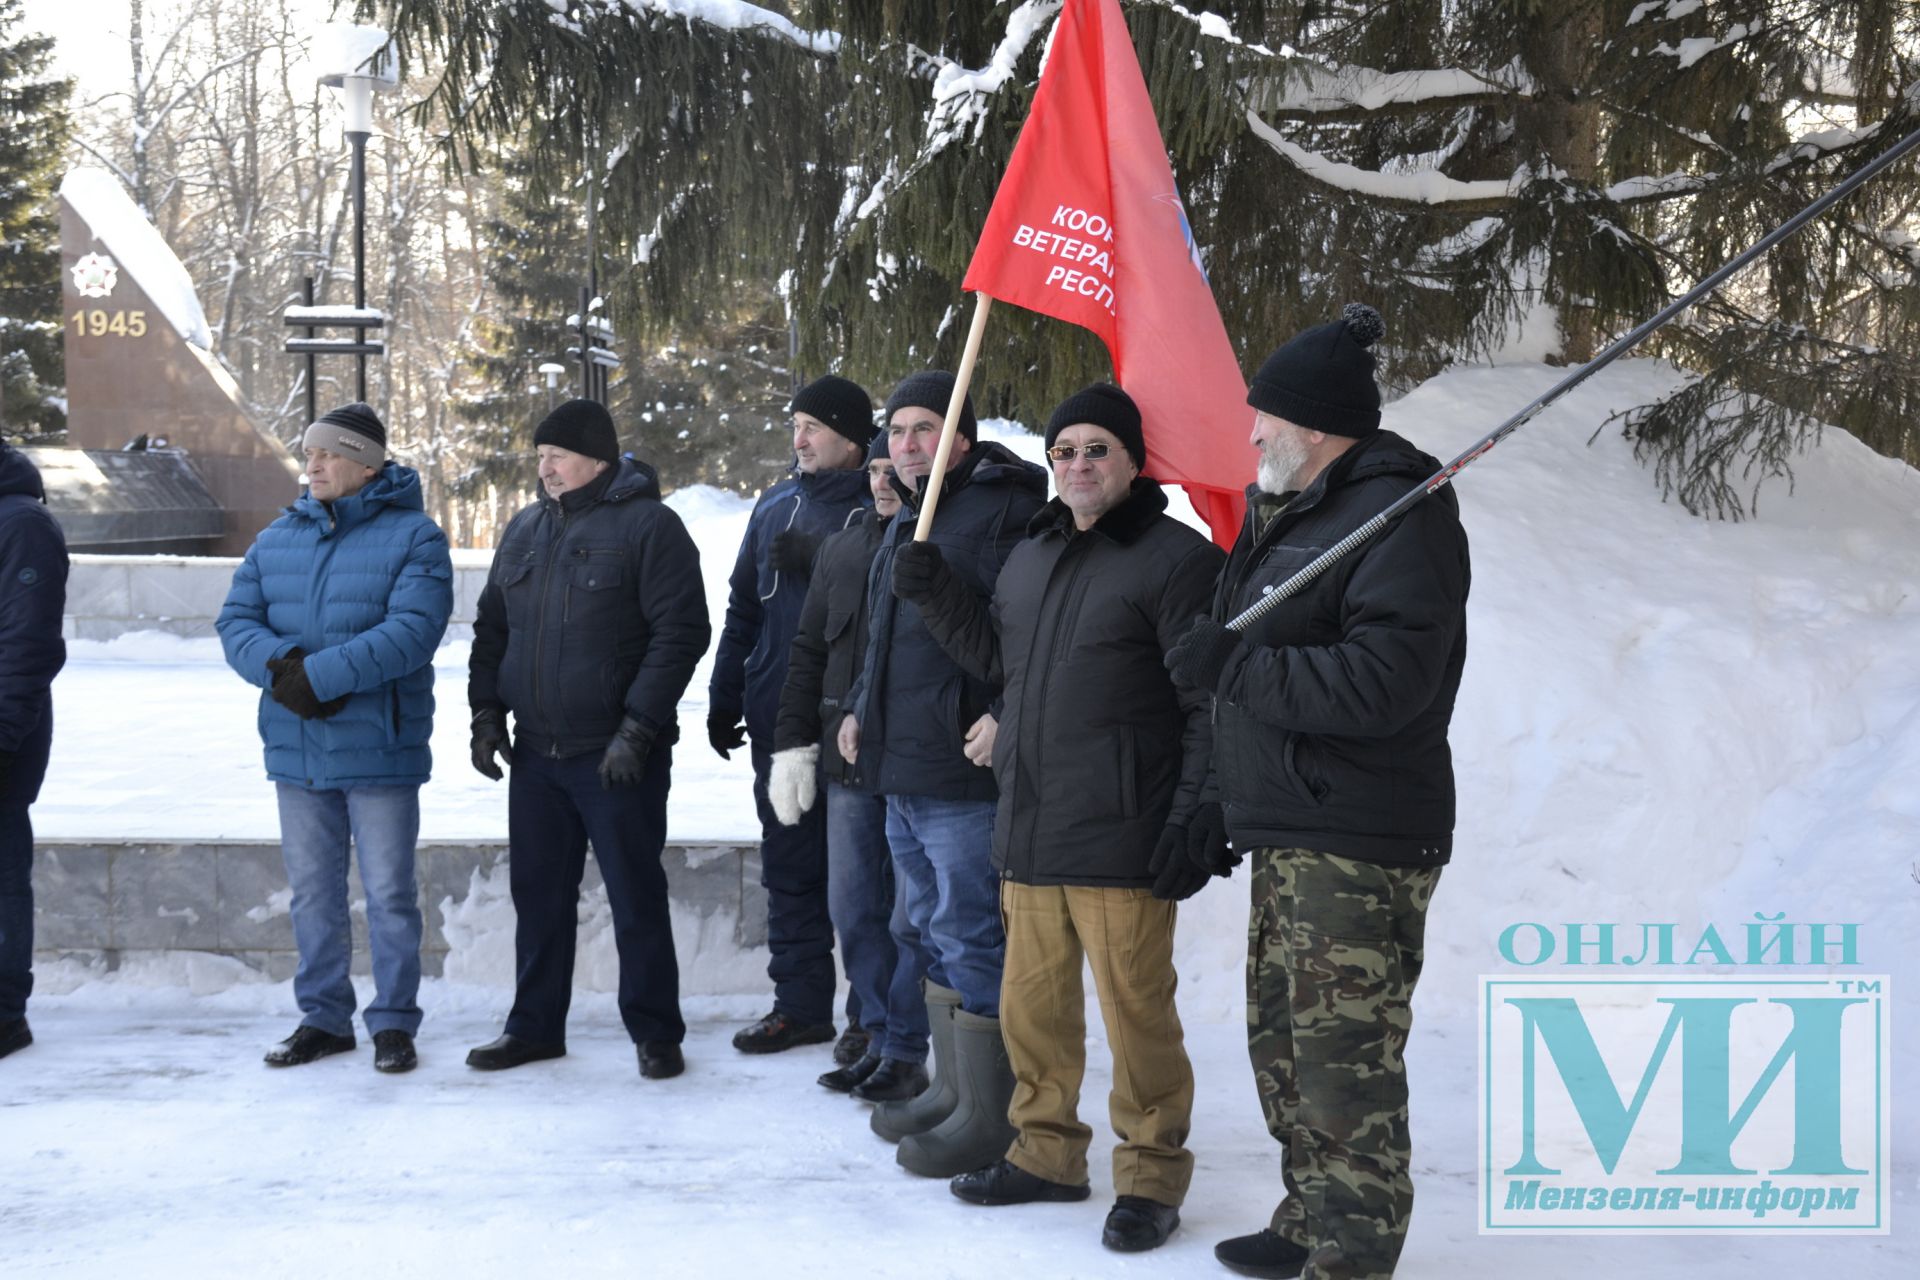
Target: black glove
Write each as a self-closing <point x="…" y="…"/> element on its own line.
<point x="489" y="740"/>
<point x="626" y="759"/>
<point x="292" y="690"/>
<point x="791" y="551"/>
<point x="1175" y="877"/>
<point x="726" y="732"/>
<point x="920" y="572"/>
<point x="1207" y="846"/>
<point x="1198" y="657"/>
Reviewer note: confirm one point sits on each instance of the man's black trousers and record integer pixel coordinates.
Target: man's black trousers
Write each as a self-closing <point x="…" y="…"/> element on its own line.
<point x="554" y="809"/>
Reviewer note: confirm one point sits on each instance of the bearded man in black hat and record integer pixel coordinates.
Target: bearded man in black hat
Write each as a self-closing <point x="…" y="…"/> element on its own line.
<point x="1331" y="760"/>
<point x="590" y="625"/>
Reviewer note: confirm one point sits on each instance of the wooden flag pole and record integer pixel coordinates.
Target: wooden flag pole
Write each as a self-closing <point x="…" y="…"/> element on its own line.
<point x="961" y="380"/>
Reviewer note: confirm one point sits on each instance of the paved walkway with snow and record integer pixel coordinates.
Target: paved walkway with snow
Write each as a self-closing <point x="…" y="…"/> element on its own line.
<point x="142" y="1137"/>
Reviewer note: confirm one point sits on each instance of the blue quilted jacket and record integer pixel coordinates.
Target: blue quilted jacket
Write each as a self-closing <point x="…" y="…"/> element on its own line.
<point x="363" y="586"/>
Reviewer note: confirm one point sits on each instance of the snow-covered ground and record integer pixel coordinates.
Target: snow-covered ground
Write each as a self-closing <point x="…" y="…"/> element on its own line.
<point x="1663" y="720"/>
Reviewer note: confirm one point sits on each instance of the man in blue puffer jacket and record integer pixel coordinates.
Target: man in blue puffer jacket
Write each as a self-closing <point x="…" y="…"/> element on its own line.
<point x="832" y="426"/>
<point x="335" y="613"/>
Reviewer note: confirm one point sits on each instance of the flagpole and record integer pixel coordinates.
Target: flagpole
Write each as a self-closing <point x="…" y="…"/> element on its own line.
<point x="961" y="379"/>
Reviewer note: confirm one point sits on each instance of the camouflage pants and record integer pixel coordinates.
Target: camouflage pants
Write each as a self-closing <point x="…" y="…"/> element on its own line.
<point x="1333" y="951"/>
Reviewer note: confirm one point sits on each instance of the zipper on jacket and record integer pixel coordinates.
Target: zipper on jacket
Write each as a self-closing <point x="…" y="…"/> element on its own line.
<point x="540" y="629"/>
<point x="1053" y="640"/>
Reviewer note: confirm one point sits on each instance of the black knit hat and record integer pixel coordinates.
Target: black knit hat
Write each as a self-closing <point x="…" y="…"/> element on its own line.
<point x="841" y="404"/>
<point x="583" y="427"/>
<point x="1102" y="405"/>
<point x="1322" y="379"/>
<point x="932" y="389"/>
<point x="351" y="431"/>
<point x="879" y="448"/>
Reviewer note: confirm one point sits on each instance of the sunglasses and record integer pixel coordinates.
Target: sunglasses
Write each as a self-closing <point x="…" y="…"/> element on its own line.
<point x="1067" y="452"/>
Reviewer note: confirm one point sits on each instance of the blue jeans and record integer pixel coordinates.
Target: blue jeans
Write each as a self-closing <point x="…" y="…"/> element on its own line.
<point x="384" y="823"/>
<point x="17" y="792"/>
<point x="884" y="977"/>
<point x="943" y="857"/>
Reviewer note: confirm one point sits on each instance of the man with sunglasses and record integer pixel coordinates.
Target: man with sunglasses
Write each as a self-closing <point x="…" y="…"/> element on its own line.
<point x="1100" y="760"/>
<point x="1331" y="758"/>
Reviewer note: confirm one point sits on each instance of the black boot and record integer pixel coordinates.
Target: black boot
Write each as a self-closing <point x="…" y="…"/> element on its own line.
<point x="1265" y="1254"/>
<point x="978" y="1131"/>
<point x="661" y="1060"/>
<point x="1004" y="1182"/>
<point x="511" y="1051"/>
<point x="895" y="1120"/>
<point x="305" y="1044"/>
<point x="1136" y="1224"/>
<point x="777" y="1032"/>
<point x="393" y="1052"/>
<point x="846" y="1079"/>
<point x="852" y="1046"/>
<point x="893" y="1081"/>
<point x="14" y="1036"/>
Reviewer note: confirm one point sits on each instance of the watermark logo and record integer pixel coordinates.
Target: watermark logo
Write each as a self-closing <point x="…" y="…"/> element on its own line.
<point x="1735" y="1103"/>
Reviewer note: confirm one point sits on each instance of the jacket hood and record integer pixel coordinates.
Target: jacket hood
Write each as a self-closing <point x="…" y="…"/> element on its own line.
<point x="392" y="486"/>
<point x="833" y="486"/>
<point x="1144" y="503"/>
<point x="633" y="479"/>
<point x="1384" y="453"/>
<point x="19" y="475"/>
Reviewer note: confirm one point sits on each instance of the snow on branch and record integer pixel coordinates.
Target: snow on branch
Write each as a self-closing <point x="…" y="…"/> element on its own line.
<point x="1429" y="187"/>
<point x="960" y="95"/>
<point x="737" y="15"/>
<point x="1317" y="90"/>
<point x="1688" y="52"/>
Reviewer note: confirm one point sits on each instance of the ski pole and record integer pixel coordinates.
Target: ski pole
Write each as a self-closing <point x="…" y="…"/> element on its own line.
<point x="1441" y="478"/>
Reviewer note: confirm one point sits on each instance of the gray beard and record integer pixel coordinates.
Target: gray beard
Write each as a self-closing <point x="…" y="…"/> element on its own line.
<point x="1281" y="459"/>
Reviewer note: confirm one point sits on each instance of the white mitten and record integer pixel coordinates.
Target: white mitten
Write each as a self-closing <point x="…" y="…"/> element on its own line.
<point x="794" y="783"/>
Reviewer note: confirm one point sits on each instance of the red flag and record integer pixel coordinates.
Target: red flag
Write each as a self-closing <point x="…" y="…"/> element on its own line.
<point x="1088" y="227"/>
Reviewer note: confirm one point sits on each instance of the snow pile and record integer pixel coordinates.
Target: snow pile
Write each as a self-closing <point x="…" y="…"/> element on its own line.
<point x="137" y="247"/>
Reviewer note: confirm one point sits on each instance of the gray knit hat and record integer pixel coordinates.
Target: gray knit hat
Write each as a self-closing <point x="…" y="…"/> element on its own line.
<point x="351" y="431"/>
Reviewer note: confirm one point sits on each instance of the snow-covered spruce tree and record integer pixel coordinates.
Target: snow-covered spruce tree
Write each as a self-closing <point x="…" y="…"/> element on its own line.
<point x="33" y="131"/>
<point x="1462" y="164"/>
<point x="704" y="406"/>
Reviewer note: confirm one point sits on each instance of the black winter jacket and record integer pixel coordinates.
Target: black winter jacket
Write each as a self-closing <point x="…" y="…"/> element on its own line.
<point x="1098" y="750"/>
<point x="1331" y="719"/>
<point x="913" y="702"/>
<point x="830" y="644"/>
<point x="763" y="604"/>
<point x="33" y="594"/>
<point x="593" y="611"/>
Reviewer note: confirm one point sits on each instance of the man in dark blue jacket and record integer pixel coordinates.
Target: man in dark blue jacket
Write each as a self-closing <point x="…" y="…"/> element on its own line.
<point x="590" y="625"/>
<point x="33" y="594"/>
<point x="1332" y="765"/>
<point x="832" y="426"/>
<point x="335" y="613"/>
<point x="921" y="734"/>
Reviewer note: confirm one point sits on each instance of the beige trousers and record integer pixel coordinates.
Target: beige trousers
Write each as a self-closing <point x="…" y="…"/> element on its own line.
<point x="1126" y="937"/>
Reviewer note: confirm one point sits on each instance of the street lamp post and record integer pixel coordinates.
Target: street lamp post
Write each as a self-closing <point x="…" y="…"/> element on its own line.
<point x="551" y="372"/>
<point x="359" y="62"/>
